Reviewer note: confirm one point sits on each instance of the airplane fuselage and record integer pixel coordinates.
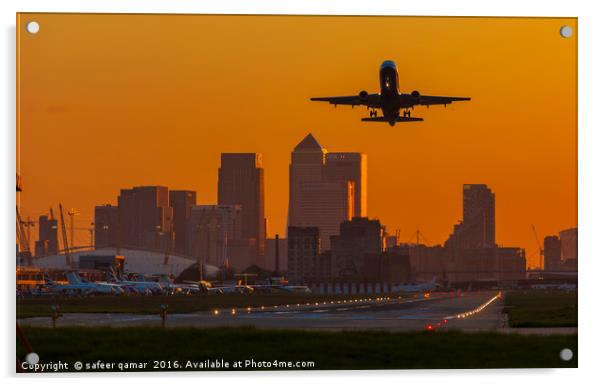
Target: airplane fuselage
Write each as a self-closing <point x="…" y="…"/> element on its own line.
<point x="389" y="91"/>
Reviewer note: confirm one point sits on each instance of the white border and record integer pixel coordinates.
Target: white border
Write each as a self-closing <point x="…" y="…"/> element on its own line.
<point x="590" y="194"/>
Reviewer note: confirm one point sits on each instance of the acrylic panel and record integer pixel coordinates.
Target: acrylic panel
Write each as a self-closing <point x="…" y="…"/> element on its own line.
<point x="220" y="192"/>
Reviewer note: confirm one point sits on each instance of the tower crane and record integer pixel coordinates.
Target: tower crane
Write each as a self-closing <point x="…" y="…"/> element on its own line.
<point x="23" y="238"/>
<point x="72" y="213"/>
<point x="28" y="224"/>
<point x="538" y="246"/>
<point x="64" y="232"/>
<point x="418" y="235"/>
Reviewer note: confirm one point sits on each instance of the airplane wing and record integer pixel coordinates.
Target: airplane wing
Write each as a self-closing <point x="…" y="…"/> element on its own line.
<point x="370" y="100"/>
<point x="409" y="100"/>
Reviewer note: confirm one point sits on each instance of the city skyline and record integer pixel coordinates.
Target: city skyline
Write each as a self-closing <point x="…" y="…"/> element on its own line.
<point x="476" y="228"/>
<point x="162" y="114"/>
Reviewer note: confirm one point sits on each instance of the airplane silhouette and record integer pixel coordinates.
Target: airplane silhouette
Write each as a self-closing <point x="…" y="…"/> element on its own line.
<point x="390" y="100"/>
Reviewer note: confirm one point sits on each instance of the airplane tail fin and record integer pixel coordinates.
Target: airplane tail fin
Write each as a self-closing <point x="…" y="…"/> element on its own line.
<point x="113" y="275"/>
<point x="48" y="280"/>
<point x="73" y="278"/>
<point x="399" y="119"/>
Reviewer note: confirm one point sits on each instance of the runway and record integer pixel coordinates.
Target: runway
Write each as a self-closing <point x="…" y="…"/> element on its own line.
<point x="471" y="311"/>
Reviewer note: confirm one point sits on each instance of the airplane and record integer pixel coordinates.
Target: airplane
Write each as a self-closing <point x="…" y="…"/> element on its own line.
<point x="77" y="285"/>
<point x="562" y="287"/>
<point x="280" y="288"/>
<point x="413" y="288"/>
<point x="136" y="283"/>
<point x="390" y="100"/>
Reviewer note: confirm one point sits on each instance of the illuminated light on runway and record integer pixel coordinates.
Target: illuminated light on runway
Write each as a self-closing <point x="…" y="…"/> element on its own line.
<point x="478" y="309"/>
<point x="233" y="312"/>
<point x="215" y="312"/>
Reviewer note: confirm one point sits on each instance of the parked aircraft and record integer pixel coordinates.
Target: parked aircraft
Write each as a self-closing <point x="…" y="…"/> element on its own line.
<point x="78" y="286"/>
<point x="412" y="288"/>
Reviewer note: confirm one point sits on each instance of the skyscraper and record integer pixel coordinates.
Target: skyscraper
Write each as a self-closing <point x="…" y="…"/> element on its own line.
<point x="240" y="182"/>
<point x="181" y="201"/>
<point x="47" y="243"/>
<point x="106" y="226"/>
<point x="325" y="188"/>
<point x="569" y="242"/>
<point x="552" y="252"/>
<point x="479" y="216"/>
<point x="350" y="167"/>
<point x="477" y="228"/>
<point x="471" y="248"/>
<point x="145" y="217"/>
<point x="325" y="205"/>
<point x="307" y="165"/>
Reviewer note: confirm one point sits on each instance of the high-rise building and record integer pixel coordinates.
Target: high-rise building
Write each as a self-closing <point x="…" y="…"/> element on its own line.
<point x="47" y="243"/>
<point x="569" y="243"/>
<point x="477" y="228"/>
<point x="303" y="253"/>
<point x="213" y="232"/>
<point x="325" y="205"/>
<point x="181" y="201"/>
<point x="471" y="250"/>
<point x="325" y="189"/>
<point x="552" y="253"/>
<point x="350" y="167"/>
<point x="241" y="182"/>
<point x="357" y="239"/>
<point x="145" y="217"/>
<point x="307" y="165"/>
<point x="479" y="216"/>
<point x="106" y="226"/>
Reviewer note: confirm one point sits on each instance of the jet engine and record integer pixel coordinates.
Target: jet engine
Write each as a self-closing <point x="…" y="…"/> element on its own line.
<point x="363" y="95"/>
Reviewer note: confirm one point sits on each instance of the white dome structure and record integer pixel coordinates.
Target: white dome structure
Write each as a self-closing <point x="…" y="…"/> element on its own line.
<point x="140" y="261"/>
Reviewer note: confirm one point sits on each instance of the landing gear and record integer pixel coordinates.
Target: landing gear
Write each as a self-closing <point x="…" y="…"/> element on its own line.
<point x="407" y="113"/>
<point x="373" y="114"/>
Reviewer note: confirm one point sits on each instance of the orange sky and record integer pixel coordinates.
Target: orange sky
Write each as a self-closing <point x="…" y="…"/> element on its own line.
<point x="112" y="101"/>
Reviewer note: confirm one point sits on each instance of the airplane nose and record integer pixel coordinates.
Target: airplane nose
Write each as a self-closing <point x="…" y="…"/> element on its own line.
<point x="388" y="64"/>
